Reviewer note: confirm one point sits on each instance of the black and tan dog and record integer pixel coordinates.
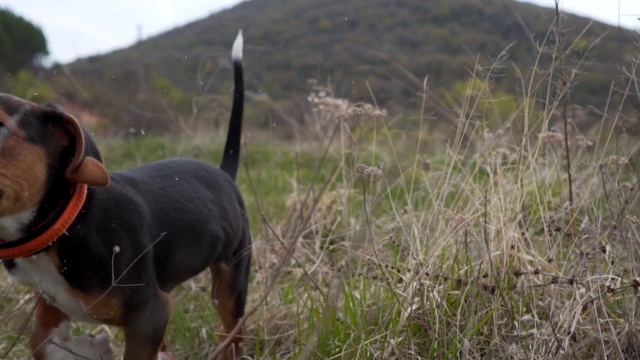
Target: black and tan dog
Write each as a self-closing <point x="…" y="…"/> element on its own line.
<point x="109" y="247"/>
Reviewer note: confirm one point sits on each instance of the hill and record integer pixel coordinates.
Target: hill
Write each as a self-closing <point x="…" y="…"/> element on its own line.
<point x="359" y="47"/>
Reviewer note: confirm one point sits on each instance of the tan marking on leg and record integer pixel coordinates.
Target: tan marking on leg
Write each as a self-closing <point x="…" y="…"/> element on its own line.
<point x="103" y="308"/>
<point x="225" y="302"/>
<point x="48" y="319"/>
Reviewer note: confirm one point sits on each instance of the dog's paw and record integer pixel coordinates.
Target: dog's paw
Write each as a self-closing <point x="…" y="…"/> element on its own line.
<point x="63" y="346"/>
<point x="165" y="356"/>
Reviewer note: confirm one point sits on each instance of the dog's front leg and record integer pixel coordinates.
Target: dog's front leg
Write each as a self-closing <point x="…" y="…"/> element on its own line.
<point x="48" y="319"/>
<point x="144" y="335"/>
<point x="51" y="338"/>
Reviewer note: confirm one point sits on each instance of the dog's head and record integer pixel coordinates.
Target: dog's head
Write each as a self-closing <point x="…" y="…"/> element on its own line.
<point x="39" y="145"/>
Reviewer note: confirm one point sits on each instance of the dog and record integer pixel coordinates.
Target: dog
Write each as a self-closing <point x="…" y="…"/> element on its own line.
<point x="108" y="247"/>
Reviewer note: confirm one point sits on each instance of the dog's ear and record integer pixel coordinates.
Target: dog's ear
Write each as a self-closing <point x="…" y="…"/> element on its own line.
<point x="82" y="169"/>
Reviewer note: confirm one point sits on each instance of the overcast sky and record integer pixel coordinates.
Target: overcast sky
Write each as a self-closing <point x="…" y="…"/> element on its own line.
<point x="77" y="28"/>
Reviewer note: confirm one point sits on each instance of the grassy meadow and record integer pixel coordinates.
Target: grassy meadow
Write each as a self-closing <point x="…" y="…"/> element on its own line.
<point x="386" y="237"/>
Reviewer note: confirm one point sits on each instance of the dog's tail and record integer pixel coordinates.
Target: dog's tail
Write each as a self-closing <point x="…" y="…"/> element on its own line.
<point x="231" y="155"/>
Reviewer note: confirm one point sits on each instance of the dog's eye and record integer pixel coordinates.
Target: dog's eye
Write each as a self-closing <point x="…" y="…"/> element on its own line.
<point x="4" y="131"/>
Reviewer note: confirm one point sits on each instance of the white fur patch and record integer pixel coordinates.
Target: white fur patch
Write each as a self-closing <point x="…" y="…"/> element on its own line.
<point x="11" y="225"/>
<point x="40" y="273"/>
<point x="63" y="346"/>
<point x="236" y="50"/>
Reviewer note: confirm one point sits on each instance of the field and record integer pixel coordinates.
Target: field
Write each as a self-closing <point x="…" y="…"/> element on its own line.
<point x="379" y="237"/>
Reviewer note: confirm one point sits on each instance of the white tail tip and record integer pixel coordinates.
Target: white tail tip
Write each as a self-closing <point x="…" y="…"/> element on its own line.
<point x="236" y="50"/>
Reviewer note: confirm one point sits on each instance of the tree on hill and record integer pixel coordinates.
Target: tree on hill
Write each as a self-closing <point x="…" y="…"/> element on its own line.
<point x="22" y="44"/>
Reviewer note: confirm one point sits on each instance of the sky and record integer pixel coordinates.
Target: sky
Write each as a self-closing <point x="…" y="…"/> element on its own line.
<point x="80" y="28"/>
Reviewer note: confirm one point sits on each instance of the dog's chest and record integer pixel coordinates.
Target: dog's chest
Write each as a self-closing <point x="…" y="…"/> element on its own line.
<point x="40" y="273"/>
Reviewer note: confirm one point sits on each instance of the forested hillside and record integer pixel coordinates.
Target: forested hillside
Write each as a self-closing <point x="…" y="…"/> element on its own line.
<point x="361" y="48"/>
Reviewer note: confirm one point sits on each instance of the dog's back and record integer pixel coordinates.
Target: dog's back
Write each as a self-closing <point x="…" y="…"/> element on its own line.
<point x="194" y="206"/>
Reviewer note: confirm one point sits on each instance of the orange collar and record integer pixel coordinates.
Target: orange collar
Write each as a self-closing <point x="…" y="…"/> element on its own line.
<point x="28" y="246"/>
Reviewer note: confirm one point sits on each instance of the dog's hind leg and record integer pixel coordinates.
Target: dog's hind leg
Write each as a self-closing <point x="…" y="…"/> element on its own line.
<point x="229" y="294"/>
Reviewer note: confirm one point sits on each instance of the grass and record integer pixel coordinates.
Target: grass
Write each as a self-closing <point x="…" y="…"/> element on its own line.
<point x="371" y="242"/>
